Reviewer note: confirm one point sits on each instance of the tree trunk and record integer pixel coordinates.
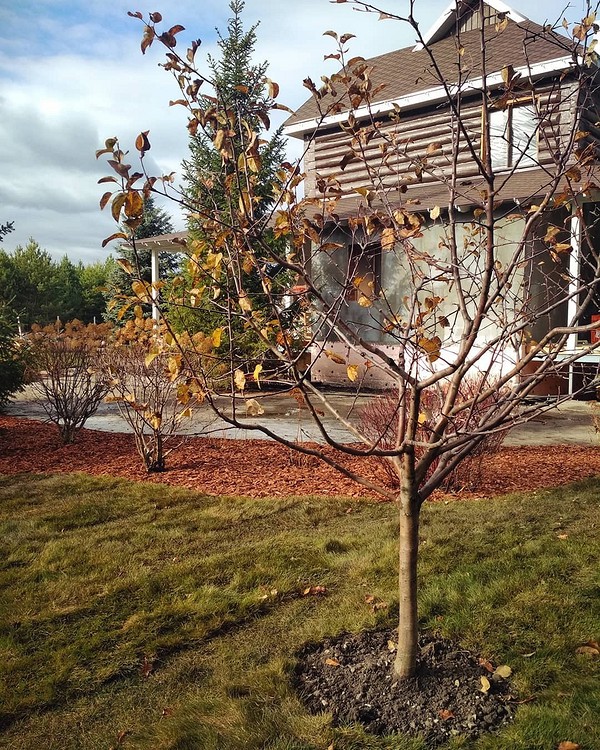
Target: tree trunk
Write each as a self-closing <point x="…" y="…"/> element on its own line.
<point x="408" y="631"/>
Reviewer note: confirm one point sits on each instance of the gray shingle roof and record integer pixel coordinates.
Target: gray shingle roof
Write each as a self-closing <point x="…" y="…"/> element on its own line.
<point x="407" y="71"/>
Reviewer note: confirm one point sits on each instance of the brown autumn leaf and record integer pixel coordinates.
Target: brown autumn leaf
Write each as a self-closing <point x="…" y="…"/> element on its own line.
<point x="314" y="591"/>
<point x="591" y="648"/>
<point x="486" y="665"/>
<point x="445" y="714"/>
<point x="337" y="358"/>
<point x="332" y="662"/>
<point x="115" y="236"/>
<point x="433" y="147"/>
<point x="147" y="667"/>
<point x="566" y="745"/>
<point x="142" y="143"/>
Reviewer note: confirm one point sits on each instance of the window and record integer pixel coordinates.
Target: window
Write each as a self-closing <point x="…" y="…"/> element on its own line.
<point x="513" y="137"/>
<point x="365" y="272"/>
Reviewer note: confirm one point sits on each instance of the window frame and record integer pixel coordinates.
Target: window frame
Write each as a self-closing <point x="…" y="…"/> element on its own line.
<point x="515" y="158"/>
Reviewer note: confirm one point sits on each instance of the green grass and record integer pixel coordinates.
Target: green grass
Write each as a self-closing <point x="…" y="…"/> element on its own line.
<point x="140" y="616"/>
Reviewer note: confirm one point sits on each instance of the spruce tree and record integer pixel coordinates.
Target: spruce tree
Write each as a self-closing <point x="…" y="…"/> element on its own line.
<point x="240" y="86"/>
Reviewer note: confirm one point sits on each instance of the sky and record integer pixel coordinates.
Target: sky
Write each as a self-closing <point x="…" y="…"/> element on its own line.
<point x="72" y="75"/>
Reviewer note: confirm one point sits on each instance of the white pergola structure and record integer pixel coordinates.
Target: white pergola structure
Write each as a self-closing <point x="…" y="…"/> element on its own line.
<point x="162" y="243"/>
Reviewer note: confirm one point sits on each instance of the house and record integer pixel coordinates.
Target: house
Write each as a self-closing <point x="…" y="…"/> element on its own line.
<point x="424" y="138"/>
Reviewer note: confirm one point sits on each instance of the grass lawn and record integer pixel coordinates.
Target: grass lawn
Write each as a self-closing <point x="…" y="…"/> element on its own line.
<point x="141" y="616"/>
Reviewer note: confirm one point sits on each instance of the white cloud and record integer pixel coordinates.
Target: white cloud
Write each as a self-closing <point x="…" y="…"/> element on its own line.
<point x="71" y="75"/>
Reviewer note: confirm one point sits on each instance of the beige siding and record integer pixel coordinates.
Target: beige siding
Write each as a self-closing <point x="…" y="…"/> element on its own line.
<point x="392" y="156"/>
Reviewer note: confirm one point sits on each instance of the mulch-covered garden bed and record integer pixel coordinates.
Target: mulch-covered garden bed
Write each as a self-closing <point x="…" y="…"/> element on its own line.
<point x="261" y="468"/>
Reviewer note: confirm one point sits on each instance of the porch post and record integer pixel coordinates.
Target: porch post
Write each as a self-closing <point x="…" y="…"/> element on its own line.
<point x="155" y="278"/>
<point x="574" y="269"/>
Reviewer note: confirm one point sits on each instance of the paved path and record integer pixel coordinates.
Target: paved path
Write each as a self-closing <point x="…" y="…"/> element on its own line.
<point x="569" y="423"/>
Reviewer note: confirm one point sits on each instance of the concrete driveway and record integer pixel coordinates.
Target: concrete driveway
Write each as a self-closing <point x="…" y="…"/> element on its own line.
<point x="569" y="423"/>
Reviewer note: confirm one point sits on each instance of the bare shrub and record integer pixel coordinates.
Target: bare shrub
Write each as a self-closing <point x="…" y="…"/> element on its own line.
<point x="379" y="421"/>
<point x="145" y="385"/>
<point x="67" y="379"/>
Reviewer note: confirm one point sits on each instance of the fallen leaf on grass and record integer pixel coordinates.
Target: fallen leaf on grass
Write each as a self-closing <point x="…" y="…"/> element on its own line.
<point x="563" y="536"/>
<point x="314" y="591"/>
<point x="375" y="603"/>
<point x="147" y="667"/>
<point x="591" y="648"/>
<point x="120" y="737"/>
<point x="167" y="712"/>
<point x="566" y="745"/>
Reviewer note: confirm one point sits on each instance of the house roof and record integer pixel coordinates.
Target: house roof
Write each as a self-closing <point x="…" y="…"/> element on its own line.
<point x="521" y="188"/>
<point x="409" y="72"/>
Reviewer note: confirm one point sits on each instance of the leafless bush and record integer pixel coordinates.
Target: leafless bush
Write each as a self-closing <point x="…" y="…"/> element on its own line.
<point x="379" y="421"/>
<point x="67" y="381"/>
<point x="145" y="387"/>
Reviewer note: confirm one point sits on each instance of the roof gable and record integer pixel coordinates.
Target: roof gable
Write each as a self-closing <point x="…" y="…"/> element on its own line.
<point x="408" y="77"/>
<point x="462" y="12"/>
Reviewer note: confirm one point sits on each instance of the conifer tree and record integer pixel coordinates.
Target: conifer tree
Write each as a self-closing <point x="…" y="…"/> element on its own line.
<point x="241" y="87"/>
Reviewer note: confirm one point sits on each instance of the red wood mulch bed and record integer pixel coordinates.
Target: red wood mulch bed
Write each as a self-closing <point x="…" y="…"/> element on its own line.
<point x="261" y="468"/>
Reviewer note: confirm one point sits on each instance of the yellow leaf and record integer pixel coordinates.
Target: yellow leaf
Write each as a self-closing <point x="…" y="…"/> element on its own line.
<point x="240" y="380"/>
<point x="185" y="414"/>
<point x="388" y="239"/>
<point x="245" y="302"/>
<point x="431" y="347"/>
<point x="332" y="662"/>
<point x="503" y="671"/>
<point x="434" y="212"/>
<point x="352" y="371"/>
<point x="155" y="421"/>
<point x="485" y="685"/>
<point x="364" y="301"/>
<point x="253" y="408"/>
<point x="422" y="418"/>
<point x="125" y="265"/>
<point x="566" y="745"/>
<point x="216" y="337"/>
<point x="256" y="373"/>
<point x="150" y="357"/>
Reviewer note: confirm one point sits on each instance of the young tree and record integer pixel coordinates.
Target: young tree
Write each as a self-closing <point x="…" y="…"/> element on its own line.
<point x="146" y="379"/>
<point x="486" y="289"/>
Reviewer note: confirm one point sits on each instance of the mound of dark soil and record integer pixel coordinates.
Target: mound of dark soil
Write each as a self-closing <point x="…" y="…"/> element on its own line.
<point x="351" y="677"/>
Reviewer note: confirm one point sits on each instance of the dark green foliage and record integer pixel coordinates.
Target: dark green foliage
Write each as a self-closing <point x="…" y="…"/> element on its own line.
<point x="12" y="364"/>
<point x="35" y="289"/>
<point x="93" y="279"/>
<point x="239" y="84"/>
<point x="6" y="229"/>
